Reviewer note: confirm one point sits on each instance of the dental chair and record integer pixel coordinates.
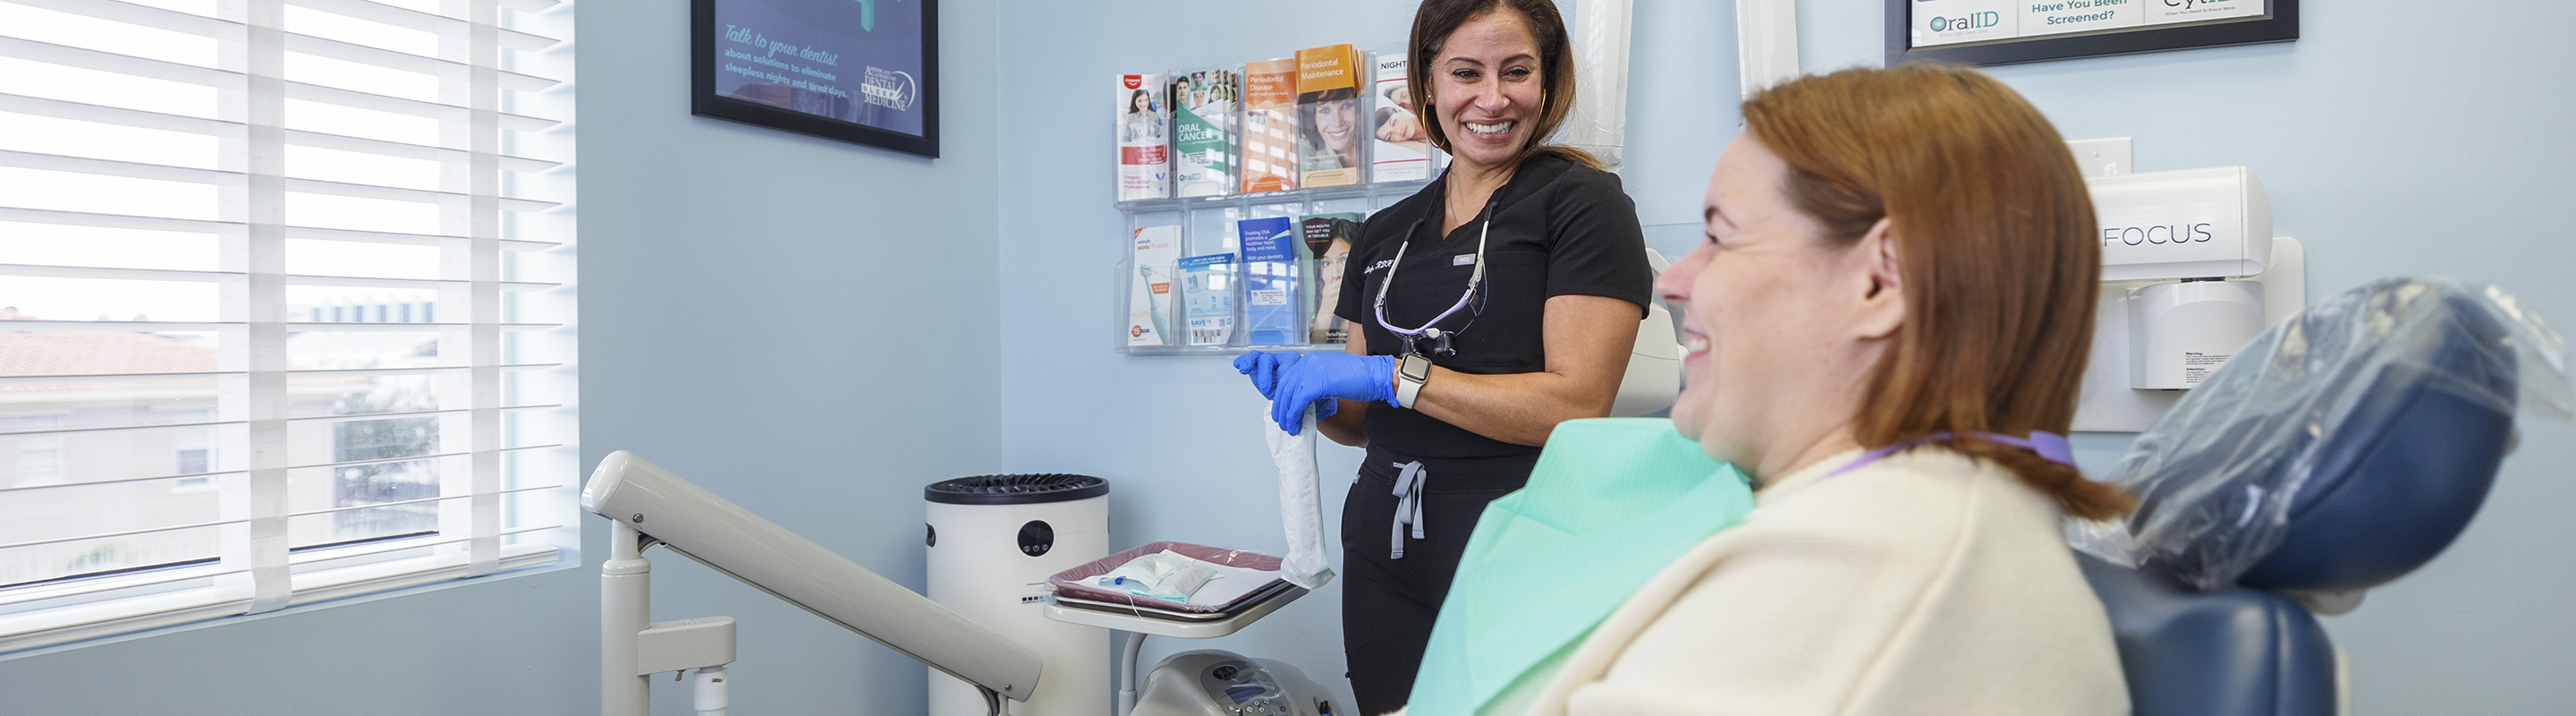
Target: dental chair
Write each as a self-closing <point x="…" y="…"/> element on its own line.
<point x="2340" y="450"/>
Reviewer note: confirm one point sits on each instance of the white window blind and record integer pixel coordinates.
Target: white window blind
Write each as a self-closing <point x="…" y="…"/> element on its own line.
<point x="282" y="304"/>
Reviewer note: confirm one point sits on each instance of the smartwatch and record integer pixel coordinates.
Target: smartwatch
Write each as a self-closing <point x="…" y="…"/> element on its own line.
<point x="1409" y="375"/>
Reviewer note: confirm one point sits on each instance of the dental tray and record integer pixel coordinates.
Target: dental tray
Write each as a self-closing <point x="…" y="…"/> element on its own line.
<point x="1235" y="589"/>
<point x="1256" y="597"/>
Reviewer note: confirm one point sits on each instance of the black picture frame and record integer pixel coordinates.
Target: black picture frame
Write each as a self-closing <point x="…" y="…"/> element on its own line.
<point x="705" y="102"/>
<point x="2280" y="23"/>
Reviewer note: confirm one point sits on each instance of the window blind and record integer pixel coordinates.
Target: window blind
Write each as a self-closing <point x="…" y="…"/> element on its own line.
<point x="282" y="304"/>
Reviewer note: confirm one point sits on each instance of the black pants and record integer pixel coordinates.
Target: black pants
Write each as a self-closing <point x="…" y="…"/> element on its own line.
<point x="1388" y="605"/>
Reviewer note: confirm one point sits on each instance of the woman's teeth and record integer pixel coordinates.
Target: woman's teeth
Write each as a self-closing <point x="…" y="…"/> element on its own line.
<point x="1489" y="128"/>
<point x="1694" y="342"/>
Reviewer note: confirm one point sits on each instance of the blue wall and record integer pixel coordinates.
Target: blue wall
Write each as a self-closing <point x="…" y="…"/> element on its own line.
<point x="802" y="326"/>
<point x="2426" y="145"/>
<point x="2393" y="141"/>
<point x="1179" y="437"/>
<point x="815" y="341"/>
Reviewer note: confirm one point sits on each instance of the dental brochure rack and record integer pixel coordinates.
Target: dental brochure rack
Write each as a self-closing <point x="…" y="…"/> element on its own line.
<point x="1131" y="630"/>
<point x="1207" y="225"/>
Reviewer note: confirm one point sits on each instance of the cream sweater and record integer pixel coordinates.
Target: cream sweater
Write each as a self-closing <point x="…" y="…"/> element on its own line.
<point x="1923" y="583"/>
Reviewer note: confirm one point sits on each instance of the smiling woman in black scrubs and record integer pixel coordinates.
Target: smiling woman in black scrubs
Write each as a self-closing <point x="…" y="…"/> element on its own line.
<point x="1499" y="301"/>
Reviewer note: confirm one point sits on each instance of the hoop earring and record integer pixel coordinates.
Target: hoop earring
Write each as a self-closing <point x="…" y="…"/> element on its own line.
<point x="1430" y="121"/>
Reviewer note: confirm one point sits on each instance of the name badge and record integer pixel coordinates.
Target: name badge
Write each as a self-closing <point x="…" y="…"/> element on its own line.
<point x="1462" y="260"/>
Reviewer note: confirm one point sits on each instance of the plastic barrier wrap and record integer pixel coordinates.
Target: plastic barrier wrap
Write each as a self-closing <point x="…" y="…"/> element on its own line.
<point x="1599" y="122"/>
<point x="2217" y="475"/>
<point x="1073" y="582"/>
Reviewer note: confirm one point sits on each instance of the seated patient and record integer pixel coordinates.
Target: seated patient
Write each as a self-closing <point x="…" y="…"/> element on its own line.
<point x="1887" y="326"/>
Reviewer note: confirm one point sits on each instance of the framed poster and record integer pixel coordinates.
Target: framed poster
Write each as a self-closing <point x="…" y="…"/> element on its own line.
<point x="1999" y="32"/>
<point x="864" y="71"/>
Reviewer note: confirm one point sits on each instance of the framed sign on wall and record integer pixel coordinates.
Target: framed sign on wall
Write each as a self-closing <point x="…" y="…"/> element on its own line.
<point x="863" y="71"/>
<point x="1998" y="32"/>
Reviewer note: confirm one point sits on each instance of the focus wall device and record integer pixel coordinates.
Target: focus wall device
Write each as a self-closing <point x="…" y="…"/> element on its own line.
<point x="2191" y="272"/>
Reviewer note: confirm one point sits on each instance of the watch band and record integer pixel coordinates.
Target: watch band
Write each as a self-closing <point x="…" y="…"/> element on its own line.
<point x="1410" y="373"/>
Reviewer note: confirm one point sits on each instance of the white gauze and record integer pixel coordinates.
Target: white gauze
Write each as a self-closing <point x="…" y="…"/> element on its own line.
<point x="1301" y="504"/>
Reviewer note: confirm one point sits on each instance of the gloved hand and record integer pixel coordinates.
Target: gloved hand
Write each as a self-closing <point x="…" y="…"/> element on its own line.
<point x="1327" y="376"/>
<point x="1264" y="369"/>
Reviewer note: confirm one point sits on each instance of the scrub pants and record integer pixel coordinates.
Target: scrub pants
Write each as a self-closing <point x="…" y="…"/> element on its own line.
<point x="1388" y="605"/>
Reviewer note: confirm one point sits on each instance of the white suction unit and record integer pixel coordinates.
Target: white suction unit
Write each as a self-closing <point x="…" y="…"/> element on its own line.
<point x="992" y="542"/>
<point x="1654" y="376"/>
<point x="2194" y="229"/>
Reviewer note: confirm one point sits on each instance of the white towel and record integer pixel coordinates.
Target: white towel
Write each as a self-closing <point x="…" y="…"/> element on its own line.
<point x="1301" y="505"/>
<point x="1166" y="575"/>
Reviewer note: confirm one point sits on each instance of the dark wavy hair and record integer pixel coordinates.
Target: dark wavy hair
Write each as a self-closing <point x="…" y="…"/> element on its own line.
<point x="1436" y="20"/>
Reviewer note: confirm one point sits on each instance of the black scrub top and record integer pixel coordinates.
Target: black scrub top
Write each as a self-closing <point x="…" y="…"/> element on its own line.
<point x="1559" y="228"/>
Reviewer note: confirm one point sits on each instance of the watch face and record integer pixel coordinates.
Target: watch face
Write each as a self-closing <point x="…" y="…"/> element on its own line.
<point x="1416" y="367"/>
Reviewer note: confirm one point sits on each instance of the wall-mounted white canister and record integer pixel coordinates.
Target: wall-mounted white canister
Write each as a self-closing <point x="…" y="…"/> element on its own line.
<point x="2180" y="332"/>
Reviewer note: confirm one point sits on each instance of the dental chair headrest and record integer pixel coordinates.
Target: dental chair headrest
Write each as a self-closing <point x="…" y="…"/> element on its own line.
<point x="2341" y="449"/>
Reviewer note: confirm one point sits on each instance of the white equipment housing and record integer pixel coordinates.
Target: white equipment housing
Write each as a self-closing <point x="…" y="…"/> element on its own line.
<point x="989" y="562"/>
<point x="1217" y="683"/>
<point x="2198" y="226"/>
<point x="2184" y="224"/>
<point x="1654" y="376"/>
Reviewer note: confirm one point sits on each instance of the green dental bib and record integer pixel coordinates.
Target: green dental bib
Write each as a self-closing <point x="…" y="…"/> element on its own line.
<point x="1610" y="503"/>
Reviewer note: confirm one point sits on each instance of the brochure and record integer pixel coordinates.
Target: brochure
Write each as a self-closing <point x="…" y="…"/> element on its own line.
<point x="1328" y="240"/>
<point x="1399" y="149"/>
<point x="1144" y="138"/>
<point x="1270" y="125"/>
<point x="1149" y="292"/>
<point x="1208" y="288"/>
<point x="1331" y="141"/>
<point x="1274" y="276"/>
<point x="1205" y="103"/>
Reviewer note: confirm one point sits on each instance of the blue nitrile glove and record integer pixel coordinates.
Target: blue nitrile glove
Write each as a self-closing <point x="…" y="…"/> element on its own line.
<point x="1264" y="368"/>
<point x="1326" y="376"/>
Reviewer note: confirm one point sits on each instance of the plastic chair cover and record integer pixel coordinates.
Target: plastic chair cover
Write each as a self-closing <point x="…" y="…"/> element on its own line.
<point x="2217" y="476"/>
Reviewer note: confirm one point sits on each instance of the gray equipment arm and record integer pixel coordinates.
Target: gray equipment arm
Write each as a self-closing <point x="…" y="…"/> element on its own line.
<point x="724" y="536"/>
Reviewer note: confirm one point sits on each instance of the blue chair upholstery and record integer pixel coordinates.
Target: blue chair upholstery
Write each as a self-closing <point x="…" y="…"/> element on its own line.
<point x="2386" y="489"/>
<point x="2239" y="652"/>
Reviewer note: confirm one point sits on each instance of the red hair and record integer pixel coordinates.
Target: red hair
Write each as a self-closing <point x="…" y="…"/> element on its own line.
<point x="1994" y="235"/>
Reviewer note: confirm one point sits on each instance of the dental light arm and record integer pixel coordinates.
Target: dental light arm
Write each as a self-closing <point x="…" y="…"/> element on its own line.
<point x="722" y="535"/>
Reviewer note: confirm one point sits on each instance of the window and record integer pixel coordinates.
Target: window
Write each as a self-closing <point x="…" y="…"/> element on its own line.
<point x="226" y="227"/>
<point x="40" y="449"/>
<point x="191" y="450"/>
